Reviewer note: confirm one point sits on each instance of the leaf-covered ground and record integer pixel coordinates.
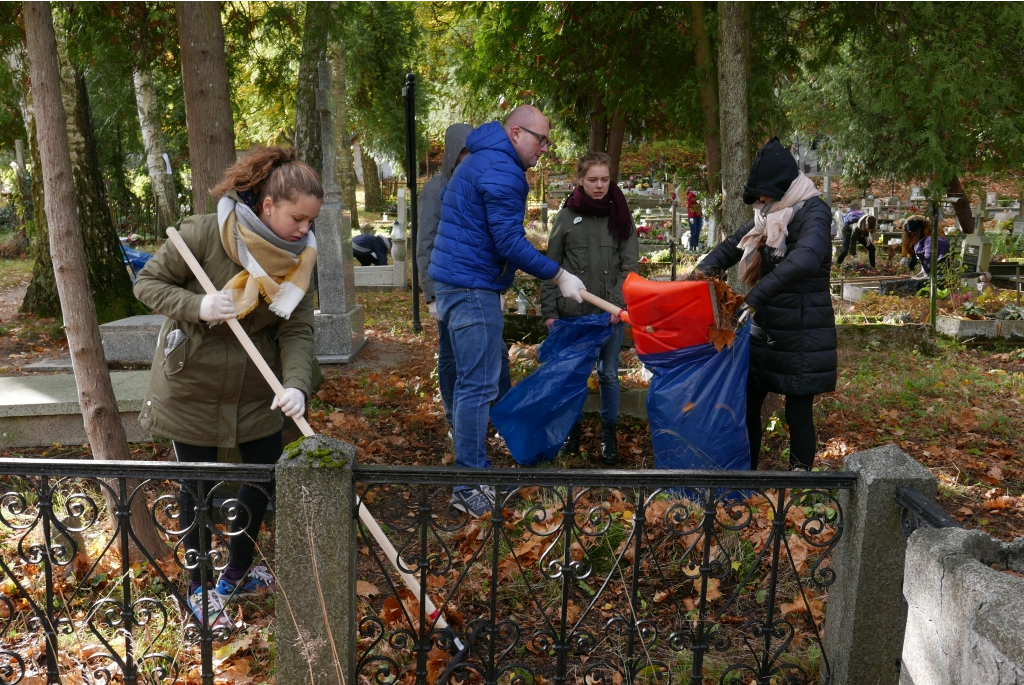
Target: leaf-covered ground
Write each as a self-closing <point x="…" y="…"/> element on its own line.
<point x="955" y="409"/>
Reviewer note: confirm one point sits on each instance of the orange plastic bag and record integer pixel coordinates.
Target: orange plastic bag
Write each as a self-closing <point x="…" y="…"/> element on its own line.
<point x="669" y="315"/>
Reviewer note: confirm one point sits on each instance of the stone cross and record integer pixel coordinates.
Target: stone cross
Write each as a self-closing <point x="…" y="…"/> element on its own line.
<point x="338" y="334"/>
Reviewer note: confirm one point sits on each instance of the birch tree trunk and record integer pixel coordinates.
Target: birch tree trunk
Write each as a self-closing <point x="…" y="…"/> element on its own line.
<point x="342" y="132"/>
<point x="308" y="146"/>
<point x="373" y="199"/>
<point x="95" y="393"/>
<point x="708" y="83"/>
<point x="153" y="137"/>
<point x="733" y="42"/>
<point x="204" y="72"/>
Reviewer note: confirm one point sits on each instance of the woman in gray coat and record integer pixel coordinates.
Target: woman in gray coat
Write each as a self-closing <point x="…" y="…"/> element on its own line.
<point x="594" y="238"/>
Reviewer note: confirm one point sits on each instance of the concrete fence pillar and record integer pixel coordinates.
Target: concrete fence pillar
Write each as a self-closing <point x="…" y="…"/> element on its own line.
<point x="866" y="613"/>
<point x="314" y="564"/>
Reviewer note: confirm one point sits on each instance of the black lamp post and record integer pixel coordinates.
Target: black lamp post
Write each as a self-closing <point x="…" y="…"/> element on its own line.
<point x="411" y="166"/>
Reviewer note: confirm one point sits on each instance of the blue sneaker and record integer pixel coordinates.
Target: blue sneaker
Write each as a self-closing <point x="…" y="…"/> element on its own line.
<point x="258" y="581"/>
<point x="474" y="501"/>
<point x="218" y="618"/>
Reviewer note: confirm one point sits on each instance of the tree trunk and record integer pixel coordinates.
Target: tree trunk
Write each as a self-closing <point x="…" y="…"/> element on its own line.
<point x="734" y="35"/>
<point x="708" y="80"/>
<point x="373" y="200"/>
<point x="204" y="72"/>
<point x="962" y="206"/>
<point x="598" y="124"/>
<point x="153" y="137"/>
<point x="616" y="134"/>
<point x="41" y="298"/>
<point x="342" y="133"/>
<point x="307" y="120"/>
<point x="95" y="393"/>
<point x="109" y="282"/>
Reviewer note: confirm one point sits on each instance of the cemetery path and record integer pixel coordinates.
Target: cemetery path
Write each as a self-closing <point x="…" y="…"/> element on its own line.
<point x="10" y="300"/>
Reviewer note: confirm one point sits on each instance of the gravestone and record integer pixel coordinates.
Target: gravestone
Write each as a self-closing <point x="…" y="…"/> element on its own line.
<point x="338" y="330"/>
<point x="1018" y="225"/>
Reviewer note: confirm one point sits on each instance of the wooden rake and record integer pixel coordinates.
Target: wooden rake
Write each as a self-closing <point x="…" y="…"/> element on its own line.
<point x="364" y="515"/>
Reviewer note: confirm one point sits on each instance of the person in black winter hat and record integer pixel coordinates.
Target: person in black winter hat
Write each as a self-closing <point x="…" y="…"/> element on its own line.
<point x="785" y="255"/>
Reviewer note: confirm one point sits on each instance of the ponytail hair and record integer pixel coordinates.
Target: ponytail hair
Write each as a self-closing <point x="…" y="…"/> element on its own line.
<point x="270" y="172"/>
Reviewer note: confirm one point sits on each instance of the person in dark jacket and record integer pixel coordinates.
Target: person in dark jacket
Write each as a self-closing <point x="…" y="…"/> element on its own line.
<point x="371" y="249"/>
<point x="429" y="217"/>
<point x="594" y="236"/>
<point x="915" y="227"/>
<point x="480" y="245"/>
<point x="785" y="255"/>
<point x="861" y="230"/>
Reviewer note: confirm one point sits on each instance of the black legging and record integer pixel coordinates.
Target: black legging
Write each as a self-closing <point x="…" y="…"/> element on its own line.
<point x="241" y="547"/>
<point x="850" y="245"/>
<point x="799" y="417"/>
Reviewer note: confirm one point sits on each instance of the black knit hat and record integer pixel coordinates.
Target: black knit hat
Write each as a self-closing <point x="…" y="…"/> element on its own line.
<point x="773" y="171"/>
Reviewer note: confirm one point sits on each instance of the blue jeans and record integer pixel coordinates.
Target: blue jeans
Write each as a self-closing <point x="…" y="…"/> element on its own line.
<point x="608" y="374"/>
<point x="696" y="224"/>
<point x="446" y="373"/>
<point x="475" y="327"/>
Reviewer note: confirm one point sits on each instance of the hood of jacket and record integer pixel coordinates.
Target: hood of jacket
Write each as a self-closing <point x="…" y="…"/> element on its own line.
<point x="491" y="136"/>
<point x="773" y="171"/>
<point x="454" y="143"/>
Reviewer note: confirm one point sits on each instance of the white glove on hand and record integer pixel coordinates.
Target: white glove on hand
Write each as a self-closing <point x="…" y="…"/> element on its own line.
<point x="903" y="261"/>
<point x="292" y="402"/>
<point x="216" y="308"/>
<point x="432" y="308"/>
<point x="569" y="285"/>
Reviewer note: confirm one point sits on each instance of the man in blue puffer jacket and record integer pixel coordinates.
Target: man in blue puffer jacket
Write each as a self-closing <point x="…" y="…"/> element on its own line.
<point x="479" y="246"/>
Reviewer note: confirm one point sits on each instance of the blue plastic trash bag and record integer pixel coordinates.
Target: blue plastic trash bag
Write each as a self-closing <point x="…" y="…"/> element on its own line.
<point x="535" y="417"/>
<point x="135" y="259"/>
<point x="696" y="406"/>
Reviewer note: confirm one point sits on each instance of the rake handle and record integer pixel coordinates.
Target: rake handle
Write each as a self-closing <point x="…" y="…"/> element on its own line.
<point x="364" y="514"/>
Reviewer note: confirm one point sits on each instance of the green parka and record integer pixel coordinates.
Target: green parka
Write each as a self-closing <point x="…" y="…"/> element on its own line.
<point x="584" y="247"/>
<point x="207" y="391"/>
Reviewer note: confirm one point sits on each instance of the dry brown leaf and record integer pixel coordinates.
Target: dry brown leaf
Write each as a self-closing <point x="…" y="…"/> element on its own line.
<point x="690" y="405"/>
<point x="365" y="589"/>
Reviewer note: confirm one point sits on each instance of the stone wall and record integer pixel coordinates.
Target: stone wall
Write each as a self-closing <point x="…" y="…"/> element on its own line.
<point x="965" y="622"/>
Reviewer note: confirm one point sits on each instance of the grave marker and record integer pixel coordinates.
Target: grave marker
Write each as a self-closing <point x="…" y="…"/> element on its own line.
<point x="338" y="330"/>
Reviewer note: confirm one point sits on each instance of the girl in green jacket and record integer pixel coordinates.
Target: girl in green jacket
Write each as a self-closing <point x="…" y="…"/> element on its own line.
<point x="204" y="392"/>
<point x="594" y="238"/>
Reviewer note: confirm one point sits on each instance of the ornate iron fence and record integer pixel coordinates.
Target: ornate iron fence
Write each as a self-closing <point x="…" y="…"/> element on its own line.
<point x="599" y="577"/>
<point x="82" y="597"/>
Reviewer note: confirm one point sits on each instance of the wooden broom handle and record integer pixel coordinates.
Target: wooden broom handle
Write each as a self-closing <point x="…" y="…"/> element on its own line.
<point x="608" y="307"/>
<point x="364" y="515"/>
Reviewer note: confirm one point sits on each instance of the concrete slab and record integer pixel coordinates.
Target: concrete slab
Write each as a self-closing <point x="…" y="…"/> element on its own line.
<point x="59" y="364"/>
<point x="132" y="339"/>
<point x="42" y="410"/>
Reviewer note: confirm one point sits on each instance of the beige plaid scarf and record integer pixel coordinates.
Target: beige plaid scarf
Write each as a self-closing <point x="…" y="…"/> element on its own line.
<point x="271" y="267"/>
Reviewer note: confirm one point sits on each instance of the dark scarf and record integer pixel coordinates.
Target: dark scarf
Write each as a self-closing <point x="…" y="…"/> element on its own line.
<point x="612" y="205"/>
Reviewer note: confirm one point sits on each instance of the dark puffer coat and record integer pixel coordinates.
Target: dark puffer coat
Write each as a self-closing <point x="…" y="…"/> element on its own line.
<point x="793" y="344"/>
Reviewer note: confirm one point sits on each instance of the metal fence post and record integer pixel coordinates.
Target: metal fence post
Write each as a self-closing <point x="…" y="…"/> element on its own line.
<point x="867" y="615"/>
<point x="315" y="564"/>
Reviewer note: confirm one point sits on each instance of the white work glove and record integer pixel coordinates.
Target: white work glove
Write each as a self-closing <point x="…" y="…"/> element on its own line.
<point x="569" y="285"/>
<point x="903" y="261"/>
<point x="216" y="308"/>
<point x="292" y="402"/>
<point x="432" y="308"/>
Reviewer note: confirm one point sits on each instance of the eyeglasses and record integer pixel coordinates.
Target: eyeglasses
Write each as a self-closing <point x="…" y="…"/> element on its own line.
<point x="544" y="141"/>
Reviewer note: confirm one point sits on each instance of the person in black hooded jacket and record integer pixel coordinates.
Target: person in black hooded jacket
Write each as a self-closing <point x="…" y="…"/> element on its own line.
<point x="785" y="254"/>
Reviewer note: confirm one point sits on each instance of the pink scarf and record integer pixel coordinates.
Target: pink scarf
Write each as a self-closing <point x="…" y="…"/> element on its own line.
<point x="771" y="221"/>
